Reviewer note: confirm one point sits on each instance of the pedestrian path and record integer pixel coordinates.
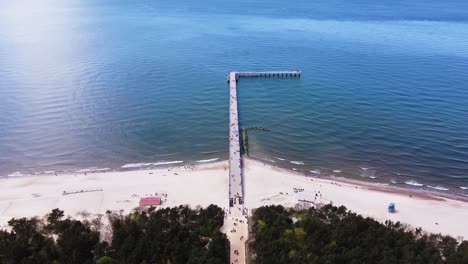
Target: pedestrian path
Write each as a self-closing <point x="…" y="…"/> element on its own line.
<point x="235" y="223"/>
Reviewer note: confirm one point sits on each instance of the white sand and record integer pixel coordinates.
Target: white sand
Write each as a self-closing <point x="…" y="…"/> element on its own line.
<point x="208" y="184"/>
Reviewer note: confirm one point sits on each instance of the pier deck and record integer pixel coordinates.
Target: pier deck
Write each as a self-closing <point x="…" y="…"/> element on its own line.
<point x="236" y="223"/>
<point x="236" y="190"/>
<point x="236" y="183"/>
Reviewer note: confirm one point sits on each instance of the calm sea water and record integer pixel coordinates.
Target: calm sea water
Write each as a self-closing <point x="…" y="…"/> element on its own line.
<point x="105" y="84"/>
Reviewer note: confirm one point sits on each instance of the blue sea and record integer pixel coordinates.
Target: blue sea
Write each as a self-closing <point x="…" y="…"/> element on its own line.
<point x="112" y="85"/>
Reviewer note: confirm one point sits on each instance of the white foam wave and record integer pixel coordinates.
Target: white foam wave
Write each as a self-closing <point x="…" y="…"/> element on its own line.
<point x="337" y="171"/>
<point x="207" y="160"/>
<point x="16" y="174"/>
<point x="364" y="168"/>
<point x="167" y="162"/>
<point x="136" y="165"/>
<point x="463" y="188"/>
<point x="263" y="158"/>
<point x="440" y="188"/>
<point x="140" y="165"/>
<point x="279" y="158"/>
<point x="382" y="184"/>
<point x="297" y="162"/>
<point x="368" y="173"/>
<point x="92" y="170"/>
<point x="268" y="159"/>
<point x="414" y="183"/>
<point x="315" y="171"/>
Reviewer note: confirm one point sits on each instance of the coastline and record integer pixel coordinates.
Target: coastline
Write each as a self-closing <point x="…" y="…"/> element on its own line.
<point x="400" y="182"/>
<point x="422" y="193"/>
<point x="207" y="183"/>
<point x="372" y="183"/>
<point x="413" y="185"/>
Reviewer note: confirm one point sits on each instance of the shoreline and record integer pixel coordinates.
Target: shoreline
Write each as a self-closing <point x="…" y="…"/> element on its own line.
<point x="423" y="193"/>
<point x="456" y="192"/>
<point x="411" y="182"/>
<point x="199" y="164"/>
<point x="207" y="183"/>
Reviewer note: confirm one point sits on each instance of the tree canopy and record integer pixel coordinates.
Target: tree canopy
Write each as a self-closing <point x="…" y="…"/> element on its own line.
<point x="169" y="235"/>
<point x="182" y="235"/>
<point x="335" y="235"/>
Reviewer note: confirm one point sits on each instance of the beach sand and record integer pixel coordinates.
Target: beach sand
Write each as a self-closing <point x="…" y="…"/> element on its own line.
<point x="206" y="184"/>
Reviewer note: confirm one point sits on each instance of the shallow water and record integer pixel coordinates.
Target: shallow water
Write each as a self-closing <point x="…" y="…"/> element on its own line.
<point x="105" y="84"/>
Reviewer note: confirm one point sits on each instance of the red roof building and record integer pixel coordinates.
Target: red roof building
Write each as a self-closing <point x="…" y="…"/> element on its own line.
<point x="148" y="201"/>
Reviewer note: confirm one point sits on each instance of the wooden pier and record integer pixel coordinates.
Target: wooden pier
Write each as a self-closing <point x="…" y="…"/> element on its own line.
<point x="236" y="183"/>
<point x="236" y="190"/>
<point x="236" y="223"/>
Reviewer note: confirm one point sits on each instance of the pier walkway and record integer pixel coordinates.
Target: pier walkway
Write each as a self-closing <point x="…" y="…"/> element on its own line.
<point x="236" y="222"/>
<point x="236" y="183"/>
<point x="236" y="190"/>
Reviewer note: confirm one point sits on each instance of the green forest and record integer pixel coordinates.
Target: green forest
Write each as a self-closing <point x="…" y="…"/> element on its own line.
<point x="167" y="235"/>
<point x="182" y="235"/>
<point x="335" y="235"/>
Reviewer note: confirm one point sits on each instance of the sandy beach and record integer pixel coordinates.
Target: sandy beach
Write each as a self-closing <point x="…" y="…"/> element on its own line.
<point x="206" y="184"/>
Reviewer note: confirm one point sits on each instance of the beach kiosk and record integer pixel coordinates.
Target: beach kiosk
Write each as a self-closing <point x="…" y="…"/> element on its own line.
<point x="150" y="201"/>
<point x="391" y="208"/>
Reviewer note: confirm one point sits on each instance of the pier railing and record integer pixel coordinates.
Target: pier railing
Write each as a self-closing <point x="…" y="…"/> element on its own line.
<point x="294" y="73"/>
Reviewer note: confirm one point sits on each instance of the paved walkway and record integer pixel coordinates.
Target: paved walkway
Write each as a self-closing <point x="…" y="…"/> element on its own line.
<point x="236" y="191"/>
<point x="237" y="233"/>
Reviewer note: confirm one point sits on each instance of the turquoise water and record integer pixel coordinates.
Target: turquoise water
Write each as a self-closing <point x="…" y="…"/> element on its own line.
<point x="105" y="84"/>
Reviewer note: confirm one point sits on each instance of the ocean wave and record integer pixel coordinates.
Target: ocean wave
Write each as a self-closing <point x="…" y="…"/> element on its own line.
<point x="267" y="159"/>
<point x="16" y="174"/>
<point x="463" y="188"/>
<point x="297" y="162"/>
<point x="369" y="173"/>
<point x="167" y="162"/>
<point x="315" y="171"/>
<point x="414" y="183"/>
<point x="207" y="160"/>
<point x="141" y="165"/>
<point x="210" y="152"/>
<point x="440" y="188"/>
<point x="136" y="165"/>
<point x="337" y="171"/>
<point x="364" y="168"/>
<point x="92" y="170"/>
<point x="279" y="158"/>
